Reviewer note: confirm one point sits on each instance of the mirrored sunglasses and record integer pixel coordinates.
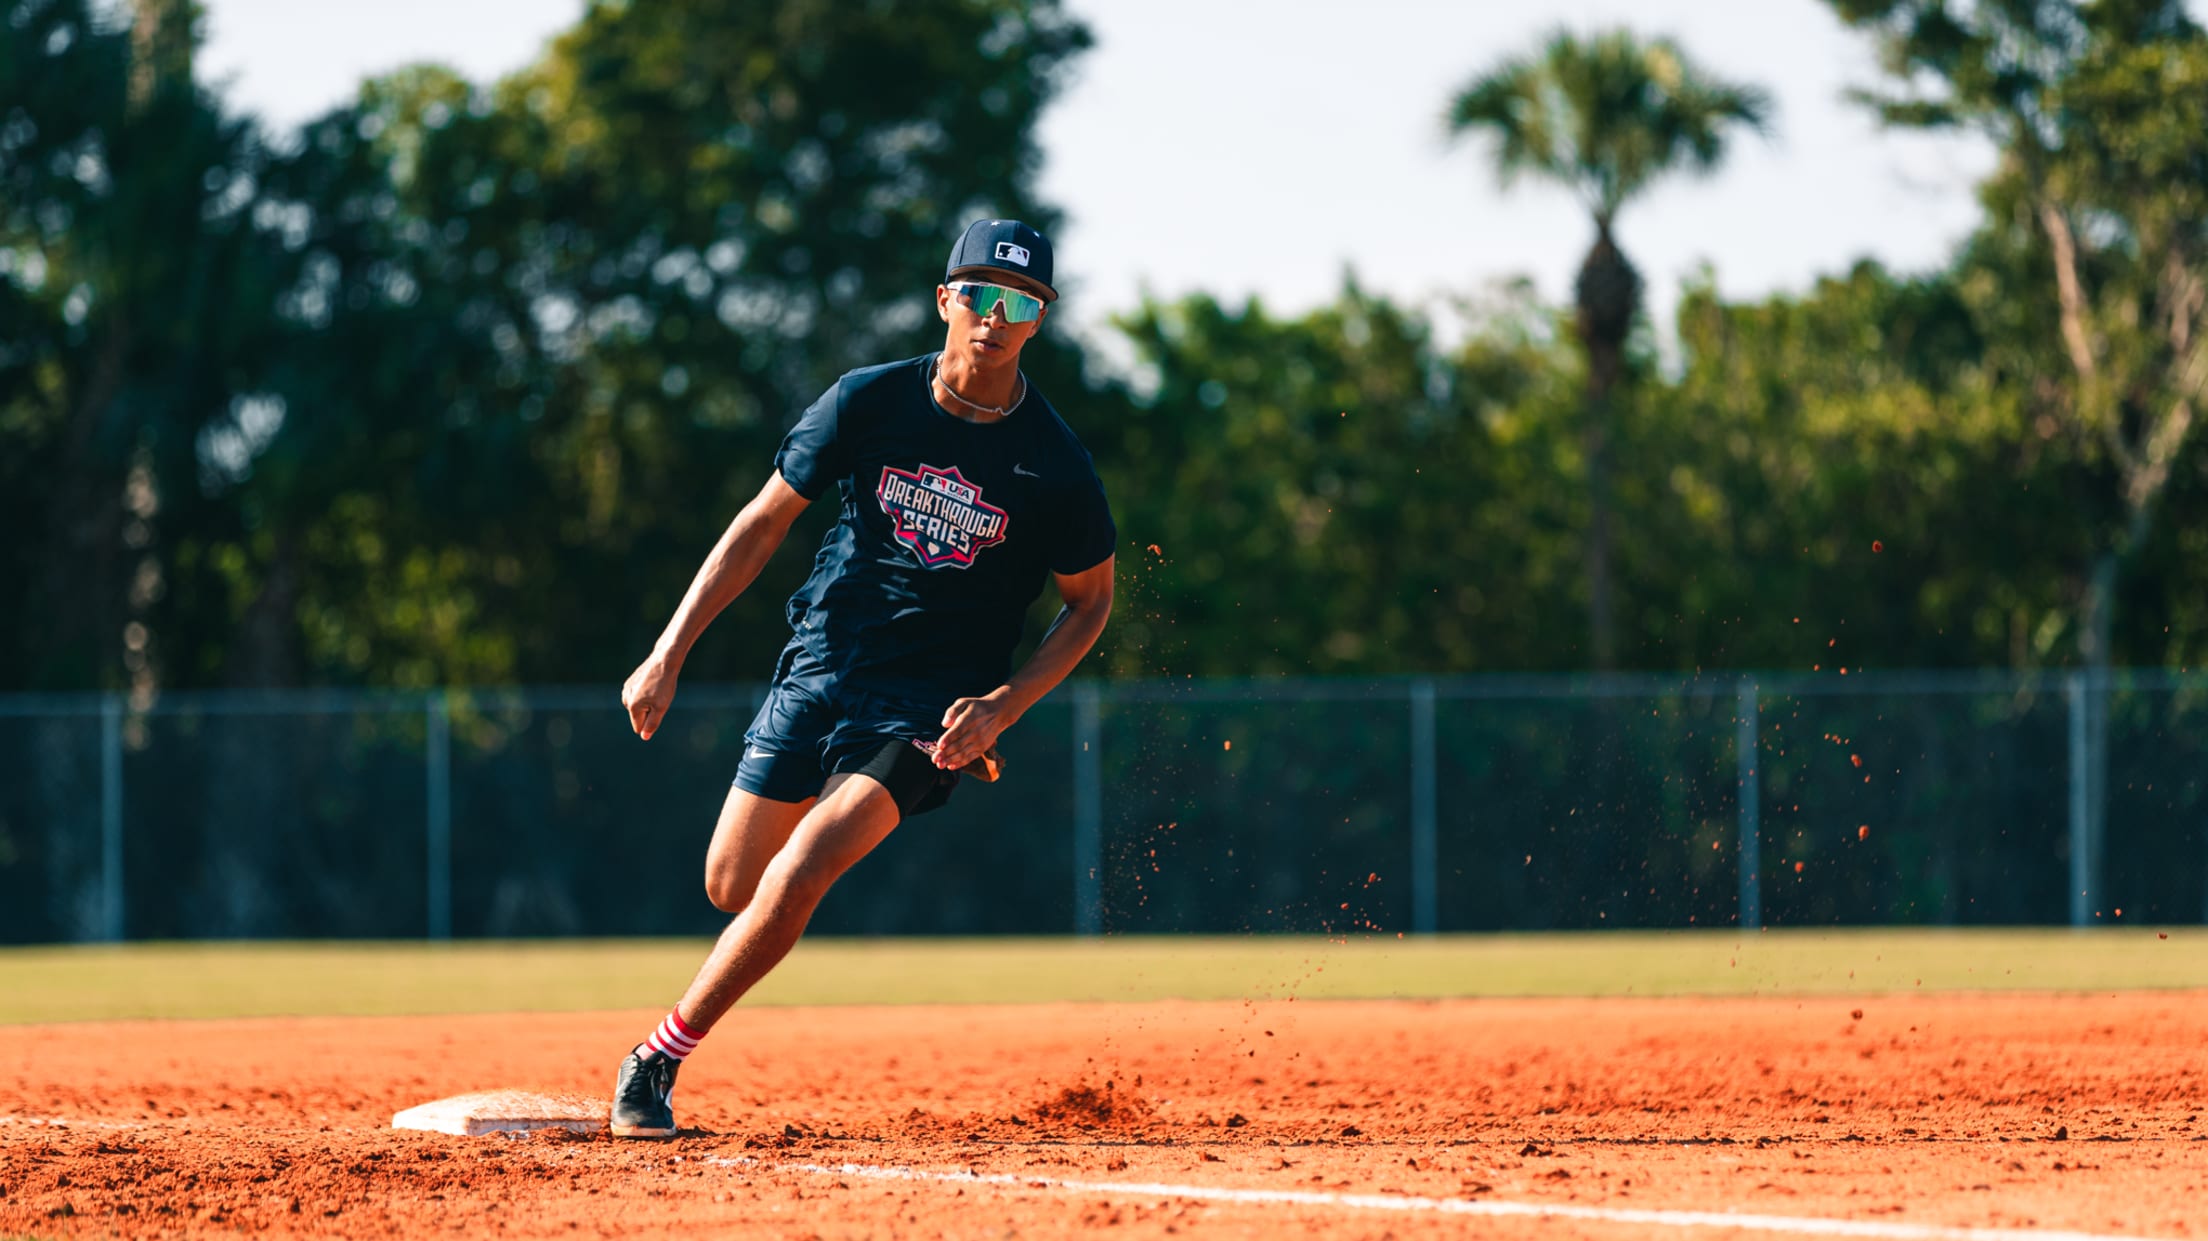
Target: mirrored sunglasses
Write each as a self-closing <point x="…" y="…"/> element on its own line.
<point x="981" y="298"/>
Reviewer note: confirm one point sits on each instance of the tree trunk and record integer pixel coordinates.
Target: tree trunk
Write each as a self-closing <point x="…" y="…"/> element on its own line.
<point x="1609" y="295"/>
<point x="77" y="634"/>
<point x="2097" y="651"/>
<point x="2106" y="380"/>
<point x="164" y="34"/>
<point x="264" y="652"/>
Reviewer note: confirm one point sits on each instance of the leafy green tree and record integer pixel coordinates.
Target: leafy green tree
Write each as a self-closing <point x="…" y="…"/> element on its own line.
<point x="1836" y="479"/>
<point x="1606" y="117"/>
<point x="2100" y="217"/>
<point x="2097" y="235"/>
<point x="134" y="287"/>
<point x="398" y="481"/>
<point x="1333" y="494"/>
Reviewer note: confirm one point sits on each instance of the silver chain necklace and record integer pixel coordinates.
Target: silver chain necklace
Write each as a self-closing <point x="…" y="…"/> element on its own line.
<point x="1019" y="394"/>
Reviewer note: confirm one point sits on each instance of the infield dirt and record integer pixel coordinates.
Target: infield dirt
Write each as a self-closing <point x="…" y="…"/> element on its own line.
<point x="2079" y="1112"/>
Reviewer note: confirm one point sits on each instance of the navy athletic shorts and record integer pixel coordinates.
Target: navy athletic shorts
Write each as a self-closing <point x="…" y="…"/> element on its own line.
<point x="811" y="727"/>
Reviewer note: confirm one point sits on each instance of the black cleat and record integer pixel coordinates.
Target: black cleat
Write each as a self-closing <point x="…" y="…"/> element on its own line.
<point x="643" y="1095"/>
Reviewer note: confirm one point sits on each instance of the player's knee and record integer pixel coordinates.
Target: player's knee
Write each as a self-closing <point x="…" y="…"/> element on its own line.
<point x="797" y="884"/>
<point x="727" y="890"/>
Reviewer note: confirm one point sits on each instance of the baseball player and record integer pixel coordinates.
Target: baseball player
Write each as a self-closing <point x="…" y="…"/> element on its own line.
<point x="960" y="491"/>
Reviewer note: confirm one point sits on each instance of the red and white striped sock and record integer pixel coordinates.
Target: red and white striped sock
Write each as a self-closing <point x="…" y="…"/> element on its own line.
<point x="674" y="1039"/>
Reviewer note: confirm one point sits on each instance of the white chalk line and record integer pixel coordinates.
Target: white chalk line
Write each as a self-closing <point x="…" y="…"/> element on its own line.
<point x="1794" y="1224"/>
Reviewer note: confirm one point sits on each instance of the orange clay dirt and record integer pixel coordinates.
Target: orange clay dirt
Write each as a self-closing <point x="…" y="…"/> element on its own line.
<point x="1911" y="1113"/>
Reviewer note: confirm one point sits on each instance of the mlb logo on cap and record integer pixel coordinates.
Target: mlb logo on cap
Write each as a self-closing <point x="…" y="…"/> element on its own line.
<point x="1006" y="246"/>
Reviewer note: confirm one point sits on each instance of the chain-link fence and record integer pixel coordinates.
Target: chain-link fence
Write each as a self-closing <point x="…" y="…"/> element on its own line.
<point x="1405" y="805"/>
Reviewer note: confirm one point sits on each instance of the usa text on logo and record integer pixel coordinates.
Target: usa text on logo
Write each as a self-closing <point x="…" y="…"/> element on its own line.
<point x="939" y="515"/>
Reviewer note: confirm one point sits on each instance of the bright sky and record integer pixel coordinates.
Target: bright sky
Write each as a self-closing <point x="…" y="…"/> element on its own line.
<point x="1200" y="148"/>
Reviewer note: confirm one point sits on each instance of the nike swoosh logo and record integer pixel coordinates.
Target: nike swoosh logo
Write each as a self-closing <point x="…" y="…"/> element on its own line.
<point x="1029" y="473"/>
<point x="759" y="754"/>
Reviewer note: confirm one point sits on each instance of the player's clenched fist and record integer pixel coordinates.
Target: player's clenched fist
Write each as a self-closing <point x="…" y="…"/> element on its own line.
<point x="648" y="692"/>
<point x="970" y="727"/>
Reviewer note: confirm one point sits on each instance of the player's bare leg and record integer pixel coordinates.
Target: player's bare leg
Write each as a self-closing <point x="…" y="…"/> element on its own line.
<point x="854" y="814"/>
<point x="751" y="830"/>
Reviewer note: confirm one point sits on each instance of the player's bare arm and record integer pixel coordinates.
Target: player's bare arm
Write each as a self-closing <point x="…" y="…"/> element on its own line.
<point x="972" y="725"/>
<point x="733" y="564"/>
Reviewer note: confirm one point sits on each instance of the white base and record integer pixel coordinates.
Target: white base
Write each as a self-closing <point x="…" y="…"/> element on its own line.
<point x="506" y="1111"/>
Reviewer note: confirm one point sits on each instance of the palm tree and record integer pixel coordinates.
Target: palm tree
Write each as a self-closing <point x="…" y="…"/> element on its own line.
<point x="1605" y="117"/>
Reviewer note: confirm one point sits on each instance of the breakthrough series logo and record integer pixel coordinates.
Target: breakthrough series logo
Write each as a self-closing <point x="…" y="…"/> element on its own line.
<point x="939" y="515"/>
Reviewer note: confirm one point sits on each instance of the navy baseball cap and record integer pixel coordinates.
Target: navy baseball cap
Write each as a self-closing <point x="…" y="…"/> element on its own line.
<point x="1003" y="246"/>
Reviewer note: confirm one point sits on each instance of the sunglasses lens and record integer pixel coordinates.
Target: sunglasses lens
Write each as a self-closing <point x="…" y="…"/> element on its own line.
<point x="1018" y="307"/>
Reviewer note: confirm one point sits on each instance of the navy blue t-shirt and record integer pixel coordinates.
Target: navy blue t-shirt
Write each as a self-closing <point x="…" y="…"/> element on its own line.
<point x="949" y="530"/>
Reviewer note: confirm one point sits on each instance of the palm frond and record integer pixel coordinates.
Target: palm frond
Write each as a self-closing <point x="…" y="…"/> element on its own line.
<point x="1508" y="103"/>
<point x="1906" y="113"/>
<point x="1606" y="115"/>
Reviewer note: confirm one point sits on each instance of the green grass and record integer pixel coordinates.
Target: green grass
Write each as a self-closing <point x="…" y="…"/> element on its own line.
<point x="265" y="979"/>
